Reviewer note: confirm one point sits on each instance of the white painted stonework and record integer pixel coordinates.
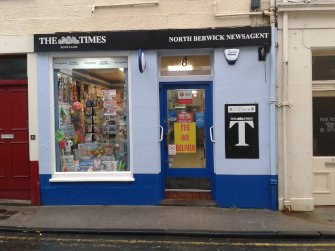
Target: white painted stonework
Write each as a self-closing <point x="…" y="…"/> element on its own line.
<point x="304" y="29"/>
<point x="38" y="16"/>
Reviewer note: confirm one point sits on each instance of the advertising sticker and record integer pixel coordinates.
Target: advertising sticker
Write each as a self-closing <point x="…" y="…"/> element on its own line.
<point x="185" y="97"/>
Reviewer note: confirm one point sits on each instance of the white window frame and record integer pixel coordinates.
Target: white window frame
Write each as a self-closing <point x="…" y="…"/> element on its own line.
<point x="118" y="176"/>
<point x="181" y="53"/>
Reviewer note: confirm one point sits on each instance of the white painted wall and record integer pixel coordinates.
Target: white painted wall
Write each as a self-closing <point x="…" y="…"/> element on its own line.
<point x="22" y="17"/>
<point x="308" y="31"/>
<point x="33" y="105"/>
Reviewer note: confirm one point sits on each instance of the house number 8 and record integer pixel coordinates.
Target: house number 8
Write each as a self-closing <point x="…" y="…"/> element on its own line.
<point x="184" y="61"/>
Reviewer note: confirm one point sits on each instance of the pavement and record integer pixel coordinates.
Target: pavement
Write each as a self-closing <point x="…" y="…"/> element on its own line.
<point x="169" y="220"/>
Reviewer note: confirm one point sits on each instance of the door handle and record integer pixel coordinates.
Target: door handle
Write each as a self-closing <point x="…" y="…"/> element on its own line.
<point x="211" y="134"/>
<point x="161" y="128"/>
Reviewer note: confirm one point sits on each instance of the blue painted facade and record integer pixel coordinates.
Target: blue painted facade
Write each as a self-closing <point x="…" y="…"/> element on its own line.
<point x="145" y="190"/>
<point x="241" y="183"/>
<point x="245" y="191"/>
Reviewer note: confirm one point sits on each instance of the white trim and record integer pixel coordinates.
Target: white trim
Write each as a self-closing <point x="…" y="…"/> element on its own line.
<point x="186" y="52"/>
<point x="52" y="116"/>
<point x="122" y="176"/>
<point x="16" y="44"/>
<point x="33" y="106"/>
<point x="130" y="114"/>
<point x="155" y="3"/>
<point x="298" y="7"/>
<point x="323" y="85"/>
<point x="92" y="177"/>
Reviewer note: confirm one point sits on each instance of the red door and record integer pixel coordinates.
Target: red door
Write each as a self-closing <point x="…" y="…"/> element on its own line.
<point x="14" y="145"/>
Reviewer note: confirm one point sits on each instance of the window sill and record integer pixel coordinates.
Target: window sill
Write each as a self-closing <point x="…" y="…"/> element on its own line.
<point x="92" y="177"/>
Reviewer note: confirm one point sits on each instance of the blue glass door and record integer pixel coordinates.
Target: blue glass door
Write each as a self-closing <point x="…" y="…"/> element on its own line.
<point x="187" y="137"/>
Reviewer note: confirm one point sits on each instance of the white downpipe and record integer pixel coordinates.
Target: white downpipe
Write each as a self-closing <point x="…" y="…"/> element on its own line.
<point x="286" y="163"/>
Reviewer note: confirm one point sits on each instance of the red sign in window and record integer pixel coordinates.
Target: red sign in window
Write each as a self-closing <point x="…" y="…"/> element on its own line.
<point x="184" y="117"/>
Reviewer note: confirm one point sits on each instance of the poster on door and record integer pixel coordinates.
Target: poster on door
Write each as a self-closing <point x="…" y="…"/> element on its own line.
<point x="185" y="97"/>
<point x="184" y="117"/>
<point x="241" y="131"/>
<point x="185" y="137"/>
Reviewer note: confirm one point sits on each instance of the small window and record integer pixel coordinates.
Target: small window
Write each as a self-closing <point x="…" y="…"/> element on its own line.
<point x="185" y="65"/>
<point x="13" y="67"/>
<point x="324" y="123"/>
<point x="91" y="114"/>
<point x="323" y="68"/>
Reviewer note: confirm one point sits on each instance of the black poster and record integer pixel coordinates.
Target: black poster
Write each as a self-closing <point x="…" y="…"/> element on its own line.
<point x="241" y="131"/>
<point x="153" y="39"/>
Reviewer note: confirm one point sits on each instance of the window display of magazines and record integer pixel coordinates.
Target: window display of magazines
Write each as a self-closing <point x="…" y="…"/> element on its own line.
<point x="91" y="132"/>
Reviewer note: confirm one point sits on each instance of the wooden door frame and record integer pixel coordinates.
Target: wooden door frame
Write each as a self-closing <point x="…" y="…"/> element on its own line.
<point x="33" y="165"/>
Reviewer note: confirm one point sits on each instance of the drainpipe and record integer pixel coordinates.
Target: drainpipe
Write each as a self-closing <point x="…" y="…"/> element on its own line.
<point x="286" y="105"/>
<point x="273" y="111"/>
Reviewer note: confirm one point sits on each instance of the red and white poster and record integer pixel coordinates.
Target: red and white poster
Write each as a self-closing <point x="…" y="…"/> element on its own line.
<point x="185" y="97"/>
<point x="184" y="117"/>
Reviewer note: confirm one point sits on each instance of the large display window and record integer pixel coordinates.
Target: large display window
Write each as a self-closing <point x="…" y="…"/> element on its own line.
<point x="91" y="114"/>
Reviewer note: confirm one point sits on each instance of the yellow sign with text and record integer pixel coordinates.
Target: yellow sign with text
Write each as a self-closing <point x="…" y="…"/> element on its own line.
<point x="185" y="137"/>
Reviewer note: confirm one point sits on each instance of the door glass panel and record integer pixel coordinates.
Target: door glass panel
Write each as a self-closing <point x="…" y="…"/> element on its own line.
<point x="324" y="123"/>
<point x="186" y="134"/>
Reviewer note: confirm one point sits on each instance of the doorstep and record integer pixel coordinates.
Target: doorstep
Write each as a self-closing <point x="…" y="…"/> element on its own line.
<point x="187" y="194"/>
<point x="7" y="202"/>
<point x="190" y="203"/>
<point x="187" y="197"/>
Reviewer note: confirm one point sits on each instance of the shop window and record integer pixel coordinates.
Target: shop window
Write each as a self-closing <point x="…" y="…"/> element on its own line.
<point x="13" y="67"/>
<point x="185" y="65"/>
<point x="91" y="114"/>
<point x="323" y="68"/>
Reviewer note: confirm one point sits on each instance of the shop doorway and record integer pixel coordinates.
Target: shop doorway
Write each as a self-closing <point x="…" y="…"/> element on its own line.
<point x="14" y="144"/>
<point x="187" y="140"/>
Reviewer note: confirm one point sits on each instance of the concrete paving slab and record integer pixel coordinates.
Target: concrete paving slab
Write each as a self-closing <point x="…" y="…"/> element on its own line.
<point x="171" y="220"/>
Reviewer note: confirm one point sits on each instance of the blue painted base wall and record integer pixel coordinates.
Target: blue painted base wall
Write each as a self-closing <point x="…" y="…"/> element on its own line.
<point x="145" y="190"/>
<point x="240" y="191"/>
<point x="247" y="191"/>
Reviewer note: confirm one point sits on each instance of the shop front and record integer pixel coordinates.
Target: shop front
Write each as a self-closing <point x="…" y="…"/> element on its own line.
<point x="138" y="118"/>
